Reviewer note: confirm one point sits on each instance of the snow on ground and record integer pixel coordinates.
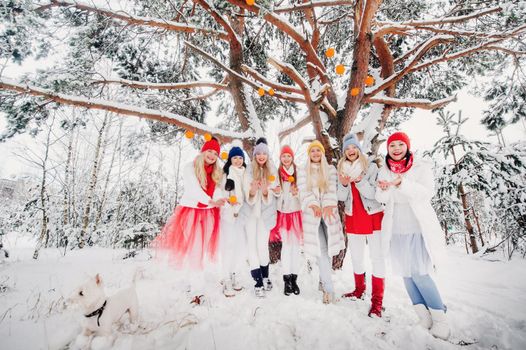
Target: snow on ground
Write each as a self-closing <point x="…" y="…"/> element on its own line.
<point x="486" y="299"/>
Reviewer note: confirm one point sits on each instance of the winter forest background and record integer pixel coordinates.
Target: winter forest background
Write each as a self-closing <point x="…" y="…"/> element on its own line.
<point x="97" y="99"/>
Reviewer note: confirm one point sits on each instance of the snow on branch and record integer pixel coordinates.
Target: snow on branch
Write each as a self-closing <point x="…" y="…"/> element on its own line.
<point x="220" y="20"/>
<point x="414" y="103"/>
<point x="294" y="127"/>
<point x="488" y="45"/>
<point x="313" y="4"/>
<point x="393" y="79"/>
<point x="137" y="20"/>
<point x="445" y="20"/>
<point x="283" y="25"/>
<point x="124" y="109"/>
<point x="259" y="77"/>
<point x="163" y="86"/>
<point x="288" y="97"/>
<point x="289" y="70"/>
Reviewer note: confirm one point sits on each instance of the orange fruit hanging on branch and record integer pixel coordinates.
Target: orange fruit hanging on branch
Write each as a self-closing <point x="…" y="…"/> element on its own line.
<point x="330" y="52"/>
<point x="189" y="134"/>
<point x="261" y="92"/>
<point x="340" y="69"/>
<point x="355" y="91"/>
<point x="224" y="155"/>
<point x="369" y="81"/>
<point x="250" y="2"/>
<point x="207" y="137"/>
<point x="271" y="92"/>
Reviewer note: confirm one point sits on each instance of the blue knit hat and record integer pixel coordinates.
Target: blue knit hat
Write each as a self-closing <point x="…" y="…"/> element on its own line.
<point x="350" y="139"/>
<point x="236" y="151"/>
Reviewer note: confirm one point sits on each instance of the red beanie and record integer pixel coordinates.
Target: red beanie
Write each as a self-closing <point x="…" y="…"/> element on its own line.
<point x="213" y="145"/>
<point x="287" y="149"/>
<point x="399" y="136"/>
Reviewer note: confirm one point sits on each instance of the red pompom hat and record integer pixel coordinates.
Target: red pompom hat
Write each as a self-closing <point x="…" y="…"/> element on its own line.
<point x="288" y="150"/>
<point x="399" y="136"/>
<point x="213" y="145"/>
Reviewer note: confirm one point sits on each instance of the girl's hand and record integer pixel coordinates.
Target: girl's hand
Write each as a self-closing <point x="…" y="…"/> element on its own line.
<point x="344" y="180"/>
<point x="397" y="181"/>
<point x="218" y="203"/>
<point x="294" y="190"/>
<point x="357" y="179"/>
<point x="254" y="185"/>
<point x="328" y="214"/>
<point x="277" y="189"/>
<point x="264" y="187"/>
<point x="316" y="210"/>
<point x="384" y="185"/>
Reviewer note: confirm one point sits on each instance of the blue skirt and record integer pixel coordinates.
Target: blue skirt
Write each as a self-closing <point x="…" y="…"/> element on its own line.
<point x="409" y="256"/>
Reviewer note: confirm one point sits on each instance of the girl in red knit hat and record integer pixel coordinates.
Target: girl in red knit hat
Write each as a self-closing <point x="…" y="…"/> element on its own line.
<point x="289" y="226"/>
<point x="411" y="232"/>
<point x="363" y="220"/>
<point x="191" y="234"/>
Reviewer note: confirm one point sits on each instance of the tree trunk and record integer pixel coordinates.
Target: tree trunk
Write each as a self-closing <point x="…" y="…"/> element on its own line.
<point x="469" y="226"/>
<point x="93" y="183"/>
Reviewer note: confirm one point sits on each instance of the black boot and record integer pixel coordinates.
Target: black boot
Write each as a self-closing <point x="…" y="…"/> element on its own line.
<point x="294" y="285"/>
<point x="266" y="281"/>
<point x="259" y="289"/>
<point x="288" y="285"/>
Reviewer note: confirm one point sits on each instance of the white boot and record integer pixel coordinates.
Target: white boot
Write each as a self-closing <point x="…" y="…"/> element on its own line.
<point x="235" y="283"/>
<point x="423" y="315"/>
<point x="440" y="328"/>
<point x="228" y="291"/>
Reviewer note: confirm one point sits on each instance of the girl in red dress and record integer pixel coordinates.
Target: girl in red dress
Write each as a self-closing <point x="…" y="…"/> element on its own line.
<point x="191" y="234"/>
<point x="363" y="218"/>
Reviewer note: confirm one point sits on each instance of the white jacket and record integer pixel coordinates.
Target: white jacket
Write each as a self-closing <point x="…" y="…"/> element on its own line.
<point x="418" y="187"/>
<point x="261" y="207"/>
<point x="311" y="223"/>
<point x="229" y="211"/>
<point x="193" y="192"/>
<point x="286" y="201"/>
<point x="367" y="189"/>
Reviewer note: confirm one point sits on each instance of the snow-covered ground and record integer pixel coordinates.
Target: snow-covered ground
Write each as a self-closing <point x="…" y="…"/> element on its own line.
<point x="486" y="299"/>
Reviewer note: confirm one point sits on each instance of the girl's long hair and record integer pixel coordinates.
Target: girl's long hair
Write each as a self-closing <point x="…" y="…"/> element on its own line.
<point x="323" y="179"/>
<point x="199" y="169"/>
<point x="362" y="158"/>
<point x="261" y="172"/>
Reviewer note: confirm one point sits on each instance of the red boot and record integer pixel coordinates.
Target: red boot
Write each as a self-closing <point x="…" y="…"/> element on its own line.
<point x="359" y="288"/>
<point x="377" y="297"/>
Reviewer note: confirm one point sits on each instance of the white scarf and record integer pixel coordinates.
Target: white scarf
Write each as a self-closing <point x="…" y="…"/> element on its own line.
<point x="236" y="175"/>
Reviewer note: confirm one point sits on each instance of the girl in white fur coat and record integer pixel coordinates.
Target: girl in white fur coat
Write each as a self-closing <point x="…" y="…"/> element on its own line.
<point x="411" y="232"/>
<point x="322" y="229"/>
<point x="258" y="182"/>
<point x="233" y="220"/>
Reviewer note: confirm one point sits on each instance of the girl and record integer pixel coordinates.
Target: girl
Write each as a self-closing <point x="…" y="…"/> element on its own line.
<point x="363" y="218"/>
<point x="411" y="229"/>
<point x="289" y="226"/>
<point x="262" y="217"/>
<point x="233" y="219"/>
<point x="321" y="222"/>
<point x="191" y="234"/>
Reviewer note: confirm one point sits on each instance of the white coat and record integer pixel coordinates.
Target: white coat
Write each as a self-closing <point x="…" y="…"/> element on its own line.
<point x="260" y="207"/>
<point x="418" y="187"/>
<point x="193" y="192"/>
<point x="311" y="223"/>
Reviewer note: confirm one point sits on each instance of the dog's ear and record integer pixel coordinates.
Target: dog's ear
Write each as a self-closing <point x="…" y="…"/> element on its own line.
<point x="98" y="280"/>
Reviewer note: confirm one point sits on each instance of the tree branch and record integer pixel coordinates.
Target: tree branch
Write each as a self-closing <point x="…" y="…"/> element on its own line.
<point x="163" y="86"/>
<point x="289" y="70"/>
<point x="259" y="77"/>
<point x="312" y="4"/>
<point x="232" y="36"/>
<point x="294" y="127"/>
<point x="393" y="79"/>
<point x="165" y="117"/>
<point x="414" y="103"/>
<point x="137" y="20"/>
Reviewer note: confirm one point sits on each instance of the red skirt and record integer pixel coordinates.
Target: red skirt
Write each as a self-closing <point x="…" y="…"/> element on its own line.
<point x="363" y="224"/>
<point x="291" y="223"/>
<point x="190" y="236"/>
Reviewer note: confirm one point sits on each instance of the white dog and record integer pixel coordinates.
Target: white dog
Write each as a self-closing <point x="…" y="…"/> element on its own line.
<point x="101" y="312"/>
